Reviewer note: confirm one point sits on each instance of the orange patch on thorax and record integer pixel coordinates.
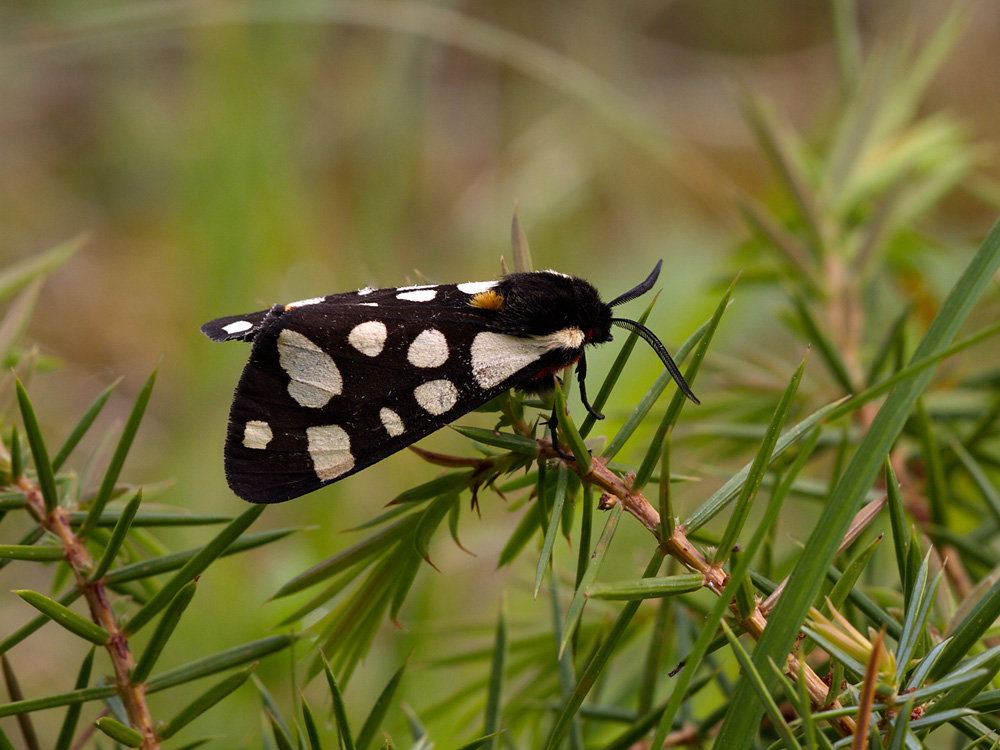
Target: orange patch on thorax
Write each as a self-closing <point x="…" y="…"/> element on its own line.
<point x="488" y="300"/>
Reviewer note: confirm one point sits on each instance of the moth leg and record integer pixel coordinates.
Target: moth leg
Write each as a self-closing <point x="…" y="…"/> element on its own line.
<point x="553" y="424"/>
<point x="581" y="376"/>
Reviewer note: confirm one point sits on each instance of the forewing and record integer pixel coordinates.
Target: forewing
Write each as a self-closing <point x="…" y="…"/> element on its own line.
<point x="340" y="383"/>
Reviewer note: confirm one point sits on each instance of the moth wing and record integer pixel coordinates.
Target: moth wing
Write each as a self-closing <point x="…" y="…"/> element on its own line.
<point x="336" y="385"/>
<point x="234" y="326"/>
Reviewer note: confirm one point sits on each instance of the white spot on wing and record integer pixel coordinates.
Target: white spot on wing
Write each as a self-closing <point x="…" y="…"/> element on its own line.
<point x="476" y="287"/>
<point x="304" y="302"/>
<point x="392" y="422"/>
<point x="330" y="449"/>
<point x="429" y="349"/>
<point x="257" y="434"/>
<point x="238" y="327"/>
<point x="497" y="356"/>
<point x="366" y="290"/>
<point x="415" y="286"/>
<point x="436" y="396"/>
<point x="315" y="378"/>
<point x="419" y="295"/>
<point x="368" y="338"/>
<point x="368" y="304"/>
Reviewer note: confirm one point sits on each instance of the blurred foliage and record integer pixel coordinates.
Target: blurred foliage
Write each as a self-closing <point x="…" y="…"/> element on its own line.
<point x="223" y="156"/>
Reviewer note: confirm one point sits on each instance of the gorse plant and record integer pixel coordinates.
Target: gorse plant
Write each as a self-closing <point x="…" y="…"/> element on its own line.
<point x="842" y="638"/>
<point x="94" y="536"/>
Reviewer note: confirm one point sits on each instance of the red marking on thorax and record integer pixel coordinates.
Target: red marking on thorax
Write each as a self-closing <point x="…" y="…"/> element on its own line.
<point x="550" y="371"/>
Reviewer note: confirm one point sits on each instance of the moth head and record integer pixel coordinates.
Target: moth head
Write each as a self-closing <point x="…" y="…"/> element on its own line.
<point x="645" y="334"/>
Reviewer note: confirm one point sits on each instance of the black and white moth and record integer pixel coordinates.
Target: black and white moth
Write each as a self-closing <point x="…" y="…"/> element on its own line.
<point x="335" y="384"/>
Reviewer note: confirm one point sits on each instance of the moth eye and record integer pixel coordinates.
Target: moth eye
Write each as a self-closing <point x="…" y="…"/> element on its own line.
<point x="488" y="300"/>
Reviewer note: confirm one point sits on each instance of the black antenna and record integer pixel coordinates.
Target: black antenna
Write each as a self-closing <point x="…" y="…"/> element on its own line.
<point x="647" y="335"/>
<point x="661" y="351"/>
<point x="639" y="290"/>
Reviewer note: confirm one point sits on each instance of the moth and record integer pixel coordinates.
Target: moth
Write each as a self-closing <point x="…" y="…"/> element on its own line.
<point x="337" y="383"/>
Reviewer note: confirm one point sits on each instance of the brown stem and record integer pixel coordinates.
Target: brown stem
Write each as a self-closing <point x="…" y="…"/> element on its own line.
<point x="75" y="553"/>
<point x="681" y="549"/>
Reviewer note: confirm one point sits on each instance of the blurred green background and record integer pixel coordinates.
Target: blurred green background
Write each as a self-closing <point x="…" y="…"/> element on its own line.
<point x="224" y="156"/>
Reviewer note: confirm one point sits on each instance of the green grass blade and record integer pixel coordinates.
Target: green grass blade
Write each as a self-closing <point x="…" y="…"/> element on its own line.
<point x="151" y="518"/>
<point x="272" y="710"/>
<point x="78" y="431"/>
<point x="916" y="618"/>
<point x="428" y="522"/>
<point x="979" y="672"/>
<point x="279" y="731"/>
<point x="473" y="745"/>
<point x="897" y="519"/>
<point x="763" y="692"/>
<point x="443" y="485"/>
<point x="339" y="710"/>
<point x="15" y="708"/>
<point x="118" y="458"/>
<point x="666" y="507"/>
<point x="678" y="401"/>
<point x="34" y="624"/>
<point x="371" y="546"/>
<point x="571" y="434"/>
<point x="312" y="730"/>
<point x="968" y="632"/>
<point x="978" y="476"/>
<point x="781" y="153"/>
<point x="504" y="440"/>
<point x="575" y="611"/>
<point x="204" y="702"/>
<point x="143" y="569"/>
<point x="725" y="494"/>
<point x="522" y="534"/>
<point x="827" y="349"/>
<point x="30" y="552"/>
<point x="651" y="396"/>
<point x="74" y="623"/>
<point x="164" y="629"/>
<point x="377" y="715"/>
<point x="739" y="725"/>
<point x="192" y="568"/>
<point x="120" y="733"/>
<point x="934" y="481"/>
<point x="739" y="570"/>
<point x="567" y="672"/>
<point x="46" y="477"/>
<point x="16" y="457"/>
<point x="220" y="662"/>
<point x="596" y="665"/>
<point x="842" y="589"/>
<point x="405" y="576"/>
<point x="758" y="467"/>
<point x="887" y="346"/>
<point x="498" y="670"/>
<point x="647" y="588"/>
<point x="72" y="718"/>
<point x="551" y="533"/>
<point x="586" y="530"/>
<point x="921" y="361"/>
<point x="114" y="545"/>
